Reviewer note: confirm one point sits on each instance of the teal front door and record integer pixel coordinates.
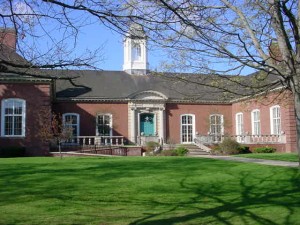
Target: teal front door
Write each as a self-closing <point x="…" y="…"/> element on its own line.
<point x="147" y="124"/>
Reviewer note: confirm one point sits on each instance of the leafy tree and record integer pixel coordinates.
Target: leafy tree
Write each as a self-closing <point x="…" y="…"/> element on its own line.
<point x="57" y="132"/>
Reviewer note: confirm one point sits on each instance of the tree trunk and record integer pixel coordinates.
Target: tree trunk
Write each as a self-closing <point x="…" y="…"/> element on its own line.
<point x="297" y="113"/>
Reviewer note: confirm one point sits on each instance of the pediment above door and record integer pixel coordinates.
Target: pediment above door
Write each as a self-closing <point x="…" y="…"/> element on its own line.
<point x="148" y="95"/>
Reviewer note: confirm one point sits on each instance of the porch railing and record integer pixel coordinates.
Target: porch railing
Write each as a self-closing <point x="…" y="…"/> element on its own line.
<point x="244" y="139"/>
<point x="105" y="150"/>
<point x="96" y="140"/>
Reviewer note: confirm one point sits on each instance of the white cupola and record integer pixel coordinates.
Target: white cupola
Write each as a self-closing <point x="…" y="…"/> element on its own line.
<point x="135" y="51"/>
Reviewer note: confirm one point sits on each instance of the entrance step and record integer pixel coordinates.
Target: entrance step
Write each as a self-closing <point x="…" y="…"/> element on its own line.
<point x="194" y="150"/>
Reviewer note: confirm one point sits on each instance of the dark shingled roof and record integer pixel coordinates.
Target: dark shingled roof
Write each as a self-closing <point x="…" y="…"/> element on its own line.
<point x="119" y="85"/>
<point x="9" y="58"/>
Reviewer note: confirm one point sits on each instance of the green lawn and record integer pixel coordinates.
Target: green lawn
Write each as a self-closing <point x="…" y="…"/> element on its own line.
<point x="291" y="157"/>
<point x="146" y="190"/>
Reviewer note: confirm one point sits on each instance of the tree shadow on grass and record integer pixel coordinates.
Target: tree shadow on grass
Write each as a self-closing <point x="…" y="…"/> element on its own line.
<point x="253" y="195"/>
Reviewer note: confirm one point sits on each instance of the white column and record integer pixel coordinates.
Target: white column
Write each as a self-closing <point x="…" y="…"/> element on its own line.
<point x="132" y="125"/>
<point x="162" y="124"/>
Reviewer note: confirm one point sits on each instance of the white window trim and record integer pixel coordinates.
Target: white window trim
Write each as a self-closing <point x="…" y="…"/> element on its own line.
<point x="4" y="101"/>
<point x="236" y="123"/>
<point x="78" y="120"/>
<point x="193" y="124"/>
<point x="222" y="123"/>
<point x="272" y="119"/>
<point x="110" y="124"/>
<point x="252" y="122"/>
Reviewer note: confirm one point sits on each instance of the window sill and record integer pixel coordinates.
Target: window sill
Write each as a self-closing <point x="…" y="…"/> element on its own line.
<point x="13" y="137"/>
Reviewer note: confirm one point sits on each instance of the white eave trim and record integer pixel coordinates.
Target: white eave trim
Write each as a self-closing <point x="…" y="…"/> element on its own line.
<point x="95" y="99"/>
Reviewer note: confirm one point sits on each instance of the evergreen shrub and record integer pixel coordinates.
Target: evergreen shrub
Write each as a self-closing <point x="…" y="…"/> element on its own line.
<point x="230" y="146"/>
<point x="151" y="146"/>
<point x="180" y="151"/>
<point x="265" y="149"/>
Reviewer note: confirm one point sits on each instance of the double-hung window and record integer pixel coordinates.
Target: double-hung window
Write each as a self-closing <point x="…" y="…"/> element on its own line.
<point x="239" y="124"/>
<point x="216" y="127"/>
<point x="187" y="128"/>
<point x="275" y="120"/>
<point x="255" y="116"/>
<point x="104" y="125"/>
<point x="13" y="117"/>
<point x="71" y="121"/>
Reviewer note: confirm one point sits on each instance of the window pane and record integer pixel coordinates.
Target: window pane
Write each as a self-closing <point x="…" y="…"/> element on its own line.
<point x="183" y="120"/>
<point x="18" y="125"/>
<point x="100" y="119"/>
<point x="212" y="120"/>
<point x="74" y="130"/>
<point x="184" y="130"/>
<point x="71" y="119"/>
<point x="67" y="119"/>
<point x="9" y="110"/>
<point x="8" y="125"/>
<point x="74" y="119"/>
<point x="106" y="119"/>
<point x="218" y="118"/>
<point x="190" y="119"/>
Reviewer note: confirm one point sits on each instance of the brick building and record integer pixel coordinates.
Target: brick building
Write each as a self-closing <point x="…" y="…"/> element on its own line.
<point x="134" y="106"/>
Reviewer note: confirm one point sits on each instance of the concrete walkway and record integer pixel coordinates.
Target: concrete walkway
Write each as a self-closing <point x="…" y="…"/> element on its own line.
<point x="249" y="160"/>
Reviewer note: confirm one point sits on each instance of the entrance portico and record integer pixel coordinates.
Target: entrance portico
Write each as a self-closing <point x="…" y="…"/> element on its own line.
<point x="146" y="112"/>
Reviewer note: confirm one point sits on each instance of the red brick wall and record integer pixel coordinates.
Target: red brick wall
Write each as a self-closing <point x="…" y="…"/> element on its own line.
<point x="134" y="151"/>
<point x="201" y="112"/>
<point x="285" y="101"/>
<point x="88" y="112"/>
<point x="37" y="96"/>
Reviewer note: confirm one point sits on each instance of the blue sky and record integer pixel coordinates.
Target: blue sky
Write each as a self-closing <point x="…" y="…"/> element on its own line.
<point x="94" y="36"/>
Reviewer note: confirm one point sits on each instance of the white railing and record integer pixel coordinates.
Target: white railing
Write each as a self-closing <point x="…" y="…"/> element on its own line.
<point x="244" y="139"/>
<point x="260" y="139"/>
<point x="201" y="145"/>
<point x="96" y="140"/>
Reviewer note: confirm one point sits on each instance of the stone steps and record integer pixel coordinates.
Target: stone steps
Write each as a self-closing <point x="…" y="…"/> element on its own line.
<point x="193" y="149"/>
